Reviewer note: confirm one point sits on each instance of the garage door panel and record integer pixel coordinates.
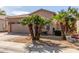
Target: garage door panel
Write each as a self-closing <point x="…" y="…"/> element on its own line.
<point x="19" y="28"/>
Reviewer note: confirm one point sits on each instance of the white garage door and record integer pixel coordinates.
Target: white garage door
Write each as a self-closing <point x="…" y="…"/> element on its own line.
<point x="1" y="25"/>
<point x="18" y="28"/>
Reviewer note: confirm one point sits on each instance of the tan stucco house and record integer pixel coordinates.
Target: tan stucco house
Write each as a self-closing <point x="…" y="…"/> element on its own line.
<point x="14" y="21"/>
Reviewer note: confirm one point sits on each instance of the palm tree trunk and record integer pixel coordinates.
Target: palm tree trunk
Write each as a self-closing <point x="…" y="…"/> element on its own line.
<point x="74" y="26"/>
<point x="64" y="37"/>
<point x="31" y="31"/>
<point x="67" y="27"/>
<point x="37" y="32"/>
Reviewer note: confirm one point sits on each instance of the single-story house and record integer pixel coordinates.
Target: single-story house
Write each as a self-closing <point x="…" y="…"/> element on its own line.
<point x="15" y="26"/>
<point x="3" y="23"/>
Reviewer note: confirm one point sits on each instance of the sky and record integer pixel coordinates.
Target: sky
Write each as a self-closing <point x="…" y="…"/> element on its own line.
<point x="19" y="10"/>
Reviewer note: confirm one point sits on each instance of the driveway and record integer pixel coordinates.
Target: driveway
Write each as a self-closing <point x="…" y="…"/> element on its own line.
<point x="14" y="47"/>
<point x="10" y="47"/>
<point x="6" y="36"/>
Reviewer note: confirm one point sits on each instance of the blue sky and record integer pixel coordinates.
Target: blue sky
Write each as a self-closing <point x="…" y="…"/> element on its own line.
<point x="18" y="10"/>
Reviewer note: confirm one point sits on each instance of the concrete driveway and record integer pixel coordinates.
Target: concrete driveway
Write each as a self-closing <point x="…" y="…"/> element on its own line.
<point x="10" y="47"/>
<point x="6" y="36"/>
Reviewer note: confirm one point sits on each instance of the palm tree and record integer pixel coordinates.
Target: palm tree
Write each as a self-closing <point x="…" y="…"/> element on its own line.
<point x="68" y="18"/>
<point x="70" y="24"/>
<point x="71" y="19"/>
<point x="35" y="24"/>
<point x="60" y="18"/>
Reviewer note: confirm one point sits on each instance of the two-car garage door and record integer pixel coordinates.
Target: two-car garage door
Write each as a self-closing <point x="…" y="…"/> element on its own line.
<point x="18" y="28"/>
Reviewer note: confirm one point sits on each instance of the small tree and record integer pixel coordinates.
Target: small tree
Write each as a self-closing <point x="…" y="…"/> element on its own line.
<point x="60" y="18"/>
<point x="35" y="24"/>
<point x="71" y="18"/>
<point x="68" y="18"/>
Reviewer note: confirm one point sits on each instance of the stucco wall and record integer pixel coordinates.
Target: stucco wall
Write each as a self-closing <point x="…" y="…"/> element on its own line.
<point x="3" y="25"/>
<point x="14" y="19"/>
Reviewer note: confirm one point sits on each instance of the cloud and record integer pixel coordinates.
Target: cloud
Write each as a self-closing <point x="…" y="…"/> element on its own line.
<point x="19" y="12"/>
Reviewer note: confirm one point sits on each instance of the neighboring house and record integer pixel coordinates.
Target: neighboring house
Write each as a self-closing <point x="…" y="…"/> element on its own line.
<point x="3" y="24"/>
<point x="15" y="26"/>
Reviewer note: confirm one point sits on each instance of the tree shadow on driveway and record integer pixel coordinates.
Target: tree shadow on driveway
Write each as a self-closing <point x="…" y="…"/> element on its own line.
<point x="45" y="48"/>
